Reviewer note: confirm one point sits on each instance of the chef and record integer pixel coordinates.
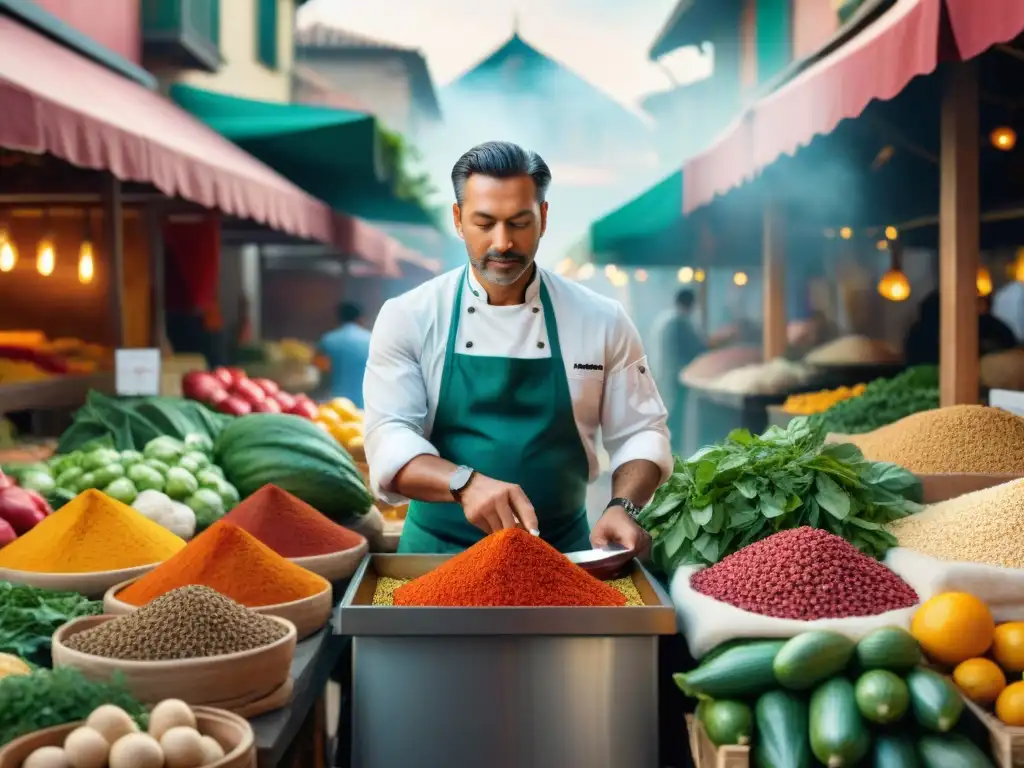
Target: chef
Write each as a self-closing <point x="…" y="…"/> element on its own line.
<point x="487" y="386"/>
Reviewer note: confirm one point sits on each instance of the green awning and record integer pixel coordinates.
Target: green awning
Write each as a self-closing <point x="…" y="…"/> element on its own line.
<point x="646" y="231"/>
<point x="334" y="154"/>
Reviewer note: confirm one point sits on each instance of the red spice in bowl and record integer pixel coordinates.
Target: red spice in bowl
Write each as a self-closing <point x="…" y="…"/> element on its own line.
<point x="804" y="573"/>
<point x="290" y="526"/>
<point x="508" y="568"/>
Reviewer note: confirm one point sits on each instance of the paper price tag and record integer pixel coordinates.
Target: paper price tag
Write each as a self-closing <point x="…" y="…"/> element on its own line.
<point x="137" y="372"/>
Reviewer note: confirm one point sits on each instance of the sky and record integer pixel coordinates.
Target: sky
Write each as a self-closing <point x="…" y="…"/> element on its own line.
<point x="604" y="41"/>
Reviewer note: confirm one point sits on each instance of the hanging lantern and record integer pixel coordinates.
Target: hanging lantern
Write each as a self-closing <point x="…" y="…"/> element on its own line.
<point x="984" y="281"/>
<point x="685" y="275"/>
<point x="894" y="284"/>
<point x="1003" y="138"/>
<point x="740" y="279"/>
<point x="46" y="257"/>
<point x="86" y="263"/>
<point x="8" y="254"/>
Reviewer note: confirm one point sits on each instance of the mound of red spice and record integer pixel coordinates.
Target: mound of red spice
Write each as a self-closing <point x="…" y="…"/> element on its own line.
<point x="508" y="568"/>
<point x="290" y="526"/>
<point x="804" y="573"/>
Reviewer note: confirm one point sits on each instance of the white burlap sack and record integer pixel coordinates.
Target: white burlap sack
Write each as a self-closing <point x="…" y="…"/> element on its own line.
<point x="1001" y="588"/>
<point x="707" y="622"/>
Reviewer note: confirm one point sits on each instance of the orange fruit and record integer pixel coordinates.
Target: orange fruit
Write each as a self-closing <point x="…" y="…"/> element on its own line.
<point x="328" y="415"/>
<point x="981" y="680"/>
<point x="953" y="627"/>
<point x="1008" y="646"/>
<point x="1010" y="705"/>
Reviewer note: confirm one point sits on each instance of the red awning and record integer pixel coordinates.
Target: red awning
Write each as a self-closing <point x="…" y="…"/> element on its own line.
<point x="876" y="64"/>
<point x="55" y="101"/>
<point x="980" y="24"/>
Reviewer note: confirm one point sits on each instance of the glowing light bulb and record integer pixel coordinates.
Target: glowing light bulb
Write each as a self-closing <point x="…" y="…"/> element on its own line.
<point x="564" y="266"/>
<point x="984" y="281"/>
<point x="891" y="232"/>
<point x="1004" y="138"/>
<point x="86" y="263"/>
<point x="1018" y="266"/>
<point x="894" y="286"/>
<point x="8" y="256"/>
<point x="610" y="271"/>
<point x="585" y="272"/>
<point x="685" y="275"/>
<point x="640" y="275"/>
<point x="46" y="258"/>
<point x="699" y="275"/>
<point x="846" y="233"/>
<point x="740" y="278"/>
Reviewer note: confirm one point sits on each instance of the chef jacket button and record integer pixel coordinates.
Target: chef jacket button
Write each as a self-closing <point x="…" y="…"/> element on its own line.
<point x="469" y="344"/>
<point x="536" y="310"/>
<point x="540" y="345"/>
<point x="471" y="310"/>
<point x="642" y="369"/>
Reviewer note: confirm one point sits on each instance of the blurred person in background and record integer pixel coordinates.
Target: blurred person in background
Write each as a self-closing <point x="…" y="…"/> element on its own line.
<point x="923" y="341"/>
<point x="678" y="344"/>
<point x="347" y="349"/>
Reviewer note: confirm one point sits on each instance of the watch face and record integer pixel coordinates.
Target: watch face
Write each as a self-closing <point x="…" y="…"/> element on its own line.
<point x="459" y="478"/>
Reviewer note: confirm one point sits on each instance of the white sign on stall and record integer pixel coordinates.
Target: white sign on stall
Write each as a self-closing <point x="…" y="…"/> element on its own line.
<point x="1007" y="399"/>
<point x="137" y="372"/>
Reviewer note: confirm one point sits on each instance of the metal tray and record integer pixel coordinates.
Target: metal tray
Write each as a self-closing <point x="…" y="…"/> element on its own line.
<point x="359" y="618"/>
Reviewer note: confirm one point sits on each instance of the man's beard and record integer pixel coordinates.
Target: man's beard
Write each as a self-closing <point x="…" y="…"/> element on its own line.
<point x="519" y="264"/>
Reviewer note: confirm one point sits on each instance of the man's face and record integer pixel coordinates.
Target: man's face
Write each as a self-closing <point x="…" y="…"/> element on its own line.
<point x="502" y="223"/>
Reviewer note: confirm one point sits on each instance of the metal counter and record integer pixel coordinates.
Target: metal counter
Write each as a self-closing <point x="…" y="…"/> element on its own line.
<point x="502" y="687"/>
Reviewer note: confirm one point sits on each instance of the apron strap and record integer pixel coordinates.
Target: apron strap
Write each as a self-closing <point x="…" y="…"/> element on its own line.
<point x="453" y="328"/>
<point x="549" y="321"/>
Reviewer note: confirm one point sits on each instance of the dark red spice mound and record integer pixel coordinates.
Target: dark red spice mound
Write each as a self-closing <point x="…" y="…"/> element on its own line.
<point x="290" y="526"/>
<point x="508" y="568"/>
<point x="804" y="573"/>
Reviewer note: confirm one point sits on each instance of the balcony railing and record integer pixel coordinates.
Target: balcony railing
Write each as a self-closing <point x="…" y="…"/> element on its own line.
<point x="181" y="33"/>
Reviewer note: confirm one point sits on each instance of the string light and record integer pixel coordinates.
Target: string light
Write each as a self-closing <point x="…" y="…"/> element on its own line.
<point x="1003" y="138"/>
<point x="699" y="275"/>
<point x="46" y="257"/>
<point x="740" y="278"/>
<point x="585" y="272"/>
<point x="86" y="263"/>
<point x="640" y="275"/>
<point x="8" y="254"/>
<point x="882" y="245"/>
<point x="685" y="275"/>
<point x="891" y="232"/>
<point x="846" y="233"/>
<point x="984" y="281"/>
<point x="610" y="271"/>
<point x="894" y="286"/>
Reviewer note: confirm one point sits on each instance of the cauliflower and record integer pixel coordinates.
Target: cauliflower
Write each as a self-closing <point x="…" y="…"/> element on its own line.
<point x="172" y="515"/>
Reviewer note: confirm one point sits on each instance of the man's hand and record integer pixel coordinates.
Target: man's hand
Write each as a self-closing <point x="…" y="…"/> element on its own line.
<point x="617" y="527"/>
<point x="492" y="505"/>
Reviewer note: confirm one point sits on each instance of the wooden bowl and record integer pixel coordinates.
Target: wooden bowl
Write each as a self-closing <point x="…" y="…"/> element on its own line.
<point x="335" y="566"/>
<point x="309" y="615"/>
<point x="247" y="675"/>
<point x="232" y="732"/>
<point x="92" y="585"/>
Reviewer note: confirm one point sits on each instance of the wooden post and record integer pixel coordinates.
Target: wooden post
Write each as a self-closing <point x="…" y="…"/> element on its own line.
<point x="157" y="261"/>
<point x="959" y="236"/>
<point x="113" y="219"/>
<point x="774" y="310"/>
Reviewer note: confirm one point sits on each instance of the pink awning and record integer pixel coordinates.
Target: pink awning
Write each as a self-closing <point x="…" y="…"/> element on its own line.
<point x="980" y="24"/>
<point x="55" y="101"/>
<point x="876" y="64"/>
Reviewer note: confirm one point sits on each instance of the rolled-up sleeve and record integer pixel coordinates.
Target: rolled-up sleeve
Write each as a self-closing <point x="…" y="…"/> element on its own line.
<point x="633" y="416"/>
<point x="395" y="401"/>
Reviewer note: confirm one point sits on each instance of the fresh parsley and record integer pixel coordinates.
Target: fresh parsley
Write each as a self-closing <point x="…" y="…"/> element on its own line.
<point x="729" y="495"/>
<point x="29" y="617"/>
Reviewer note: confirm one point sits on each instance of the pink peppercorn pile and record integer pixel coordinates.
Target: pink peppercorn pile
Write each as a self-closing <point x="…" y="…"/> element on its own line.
<point x="804" y="573"/>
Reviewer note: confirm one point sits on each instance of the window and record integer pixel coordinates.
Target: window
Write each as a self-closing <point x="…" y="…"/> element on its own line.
<point x="266" y="32"/>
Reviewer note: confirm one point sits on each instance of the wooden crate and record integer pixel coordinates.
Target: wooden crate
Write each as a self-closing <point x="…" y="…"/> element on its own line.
<point x="1007" y="743"/>
<point x="707" y="755"/>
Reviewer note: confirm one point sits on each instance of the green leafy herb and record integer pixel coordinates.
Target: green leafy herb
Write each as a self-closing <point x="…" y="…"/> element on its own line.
<point x="883" y="402"/>
<point x="727" y="496"/>
<point x="29" y="617"/>
<point x="46" y="698"/>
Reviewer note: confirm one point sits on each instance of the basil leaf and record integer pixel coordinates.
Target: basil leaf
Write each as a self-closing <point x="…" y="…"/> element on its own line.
<point x="831" y="497"/>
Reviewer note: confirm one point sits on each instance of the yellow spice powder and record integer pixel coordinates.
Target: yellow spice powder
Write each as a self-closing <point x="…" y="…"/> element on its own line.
<point x="91" y="533"/>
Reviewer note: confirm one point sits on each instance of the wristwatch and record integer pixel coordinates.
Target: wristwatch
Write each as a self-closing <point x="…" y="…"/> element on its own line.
<point x="631" y="509"/>
<point x="459" y="480"/>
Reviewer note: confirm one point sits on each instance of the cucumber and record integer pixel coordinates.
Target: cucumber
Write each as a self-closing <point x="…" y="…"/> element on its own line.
<point x="839" y="737"/>
<point x="734" y="674"/>
<point x="953" y="751"/>
<point x="812" y="657"/>
<point x="727" y="722"/>
<point x="890" y="648"/>
<point x="781" y="722"/>
<point x="882" y="697"/>
<point x="894" y="751"/>
<point x="934" y="699"/>
<point x="728" y="645"/>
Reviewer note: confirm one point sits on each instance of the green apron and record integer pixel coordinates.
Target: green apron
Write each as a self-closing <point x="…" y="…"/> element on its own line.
<point x="510" y="419"/>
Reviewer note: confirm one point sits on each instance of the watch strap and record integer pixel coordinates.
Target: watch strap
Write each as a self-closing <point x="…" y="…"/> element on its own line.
<point x="459" y="480"/>
<point x="631" y="509"/>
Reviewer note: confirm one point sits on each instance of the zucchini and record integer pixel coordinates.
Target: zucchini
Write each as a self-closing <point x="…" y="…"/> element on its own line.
<point x="838" y="734"/>
<point x="882" y="697"/>
<point x="890" y="648"/>
<point x="736" y="673"/>
<point x="727" y="722"/>
<point x="934" y="699"/>
<point x="811" y="657"/>
<point x="781" y="723"/>
<point x="894" y="751"/>
<point x="721" y="648"/>
<point x="954" y="751"/>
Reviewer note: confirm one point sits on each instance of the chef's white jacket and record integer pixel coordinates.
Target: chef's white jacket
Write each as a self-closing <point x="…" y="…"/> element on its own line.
<point x="610" y="382"/>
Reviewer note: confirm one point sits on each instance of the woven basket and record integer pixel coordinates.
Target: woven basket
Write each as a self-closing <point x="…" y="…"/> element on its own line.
<point x="707" y="755"/>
